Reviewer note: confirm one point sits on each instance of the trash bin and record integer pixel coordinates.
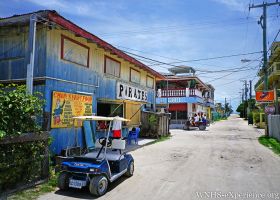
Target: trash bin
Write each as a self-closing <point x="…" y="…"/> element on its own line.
<point x="250" y="119"/>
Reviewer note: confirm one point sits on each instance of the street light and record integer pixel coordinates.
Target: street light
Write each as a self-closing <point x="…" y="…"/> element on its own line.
<point x="246" y="60"/>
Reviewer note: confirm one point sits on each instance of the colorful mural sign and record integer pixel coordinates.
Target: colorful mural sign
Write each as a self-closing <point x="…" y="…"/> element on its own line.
<point x="67" y="105"/>
<point x="265" y="96"/>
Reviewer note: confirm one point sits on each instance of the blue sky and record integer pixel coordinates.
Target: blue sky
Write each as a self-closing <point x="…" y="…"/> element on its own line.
<point x="172" y="30"/>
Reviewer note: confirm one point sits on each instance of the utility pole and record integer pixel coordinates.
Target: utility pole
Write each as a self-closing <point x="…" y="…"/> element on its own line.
<point x="262" y="22"/>
<point x="246" y="99"/>
<point x="167" y="95"/>
<point x="250" y="84"/>
<point x="243" y="103"/>
<point x="246" y="90"/>
<point x="31" y="54"/>
<point x="225" y="106"/>
<point x="242" y="95"/>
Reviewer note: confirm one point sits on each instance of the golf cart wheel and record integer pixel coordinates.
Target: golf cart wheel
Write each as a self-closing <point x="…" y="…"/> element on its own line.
<point x="98" y="185"/>
<point x="202" y="127"/>
<point x="130" y="169"/>
<point x="63" y="181"/>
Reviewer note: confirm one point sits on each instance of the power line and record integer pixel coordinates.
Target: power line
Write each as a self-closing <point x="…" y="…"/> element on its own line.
<point x="273" y="41"/>
<point x="199" y="25"/>
<point x="194" y="60"/>
<point x="170" y="58"/>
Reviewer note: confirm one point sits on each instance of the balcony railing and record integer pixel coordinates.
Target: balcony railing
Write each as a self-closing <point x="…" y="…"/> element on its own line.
<point x="186" y="92"/>
<point x="172" y="93"/>
<point x="209" y="100"/>
<point x="274" y="69"/>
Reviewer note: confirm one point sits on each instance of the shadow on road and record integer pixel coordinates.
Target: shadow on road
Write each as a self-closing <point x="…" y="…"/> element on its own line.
<point x="84" y="192"/>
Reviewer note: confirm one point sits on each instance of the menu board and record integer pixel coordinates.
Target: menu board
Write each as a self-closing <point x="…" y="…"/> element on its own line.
<point x="67" y="105"/>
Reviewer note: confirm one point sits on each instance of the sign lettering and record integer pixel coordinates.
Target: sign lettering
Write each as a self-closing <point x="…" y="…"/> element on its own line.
<point x="125" y="91"/>
<point x="67" y="105"/>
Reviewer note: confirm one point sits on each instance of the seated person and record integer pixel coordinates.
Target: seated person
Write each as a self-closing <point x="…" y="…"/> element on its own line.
<point x="196" y="118"/>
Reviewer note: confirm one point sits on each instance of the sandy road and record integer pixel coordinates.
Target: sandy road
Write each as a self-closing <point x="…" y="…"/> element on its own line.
<point x="226" y="161"/>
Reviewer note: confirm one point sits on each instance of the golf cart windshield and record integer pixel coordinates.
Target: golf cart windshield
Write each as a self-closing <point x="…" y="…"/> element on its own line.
<point x="105" y="142"/>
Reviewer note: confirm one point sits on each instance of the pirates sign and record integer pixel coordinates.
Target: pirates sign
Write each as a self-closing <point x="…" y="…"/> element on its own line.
<point x="128" y="92"/>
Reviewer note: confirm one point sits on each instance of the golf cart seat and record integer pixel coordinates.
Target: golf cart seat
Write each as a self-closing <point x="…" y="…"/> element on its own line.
<point x="111" y="155"/>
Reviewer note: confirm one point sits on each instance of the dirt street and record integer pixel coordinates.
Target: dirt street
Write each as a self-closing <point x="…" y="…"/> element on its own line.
<point x="224" y="162"/>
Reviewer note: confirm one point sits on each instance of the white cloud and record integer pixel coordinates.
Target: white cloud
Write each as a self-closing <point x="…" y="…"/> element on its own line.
<point x="110" y="20"/>
<point x="238" y="5"/>
<point x="50" y="4"/>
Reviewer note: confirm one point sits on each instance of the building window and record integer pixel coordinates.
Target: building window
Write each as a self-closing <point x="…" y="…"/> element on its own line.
<point x="107" y="109"/>
<point x="112" y="67"/>
<point x="150" y="82"/>
<point x="74" y="51"/>
<point x="135" y="76"/>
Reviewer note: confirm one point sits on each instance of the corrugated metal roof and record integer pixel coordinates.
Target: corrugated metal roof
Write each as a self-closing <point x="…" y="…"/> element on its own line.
<point x="176" y="78"/>
<point x="53" y="16"/>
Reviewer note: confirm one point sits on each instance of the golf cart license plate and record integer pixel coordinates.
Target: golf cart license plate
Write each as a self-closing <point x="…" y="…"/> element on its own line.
<point x="76" y="183"/>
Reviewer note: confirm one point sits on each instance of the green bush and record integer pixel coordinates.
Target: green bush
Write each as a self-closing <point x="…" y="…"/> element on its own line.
<point x="257" y="117"/>
<point x="21" y="163"/>
<point x="18" y="110"/>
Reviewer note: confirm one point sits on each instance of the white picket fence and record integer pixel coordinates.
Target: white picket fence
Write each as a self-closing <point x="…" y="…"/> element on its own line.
<point x="274" y="126"/>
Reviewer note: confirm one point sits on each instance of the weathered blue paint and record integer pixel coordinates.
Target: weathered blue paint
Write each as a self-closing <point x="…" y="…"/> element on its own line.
<point x="57" y="75"/>
<point x="13" y="55"/>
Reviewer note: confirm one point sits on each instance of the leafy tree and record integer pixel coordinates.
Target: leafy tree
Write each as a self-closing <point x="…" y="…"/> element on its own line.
<point x="228" y="108"/>
<point x="18" y="110"/>
<point x="240" y="109"/>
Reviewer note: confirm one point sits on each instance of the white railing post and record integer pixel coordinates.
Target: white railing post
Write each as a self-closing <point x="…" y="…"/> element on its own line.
<point x="187" y="92"/>
<point x="159" y="93"/>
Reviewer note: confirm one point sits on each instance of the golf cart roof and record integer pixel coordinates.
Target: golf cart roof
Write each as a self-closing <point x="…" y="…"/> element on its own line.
<point x="101" y="118"/>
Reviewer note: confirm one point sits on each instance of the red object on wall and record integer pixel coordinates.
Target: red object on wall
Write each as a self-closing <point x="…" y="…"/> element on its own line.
<point x="265" y="96"/>
<point x="178" y="107"/>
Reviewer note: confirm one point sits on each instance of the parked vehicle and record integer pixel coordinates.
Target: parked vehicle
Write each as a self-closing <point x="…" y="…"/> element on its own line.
<point x="97" y="168"/>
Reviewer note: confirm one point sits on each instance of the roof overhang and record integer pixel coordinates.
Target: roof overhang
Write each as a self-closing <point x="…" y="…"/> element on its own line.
<point x="187" y="78"/>
<point x="182" y="70"/>
<point x="53" y="16"/>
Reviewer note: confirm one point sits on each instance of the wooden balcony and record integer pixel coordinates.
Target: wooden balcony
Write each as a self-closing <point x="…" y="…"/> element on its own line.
<point x="183" y="92"/>
<point x="273" y="73"/>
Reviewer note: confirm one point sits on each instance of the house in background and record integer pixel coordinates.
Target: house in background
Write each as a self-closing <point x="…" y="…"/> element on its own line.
<point x="183" y="94"/>
<point x="273" y="71"/>
<point x="77" y="73"/>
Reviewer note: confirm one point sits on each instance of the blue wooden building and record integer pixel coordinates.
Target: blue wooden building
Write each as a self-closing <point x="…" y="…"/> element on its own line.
<point x="77" y="73"/>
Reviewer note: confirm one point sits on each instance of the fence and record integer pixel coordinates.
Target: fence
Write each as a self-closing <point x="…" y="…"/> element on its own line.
<point x="259" y="119"/>
<point x="274" y="126"/>
<point x="154" y="124"/>
<point x="24" y="161"/>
